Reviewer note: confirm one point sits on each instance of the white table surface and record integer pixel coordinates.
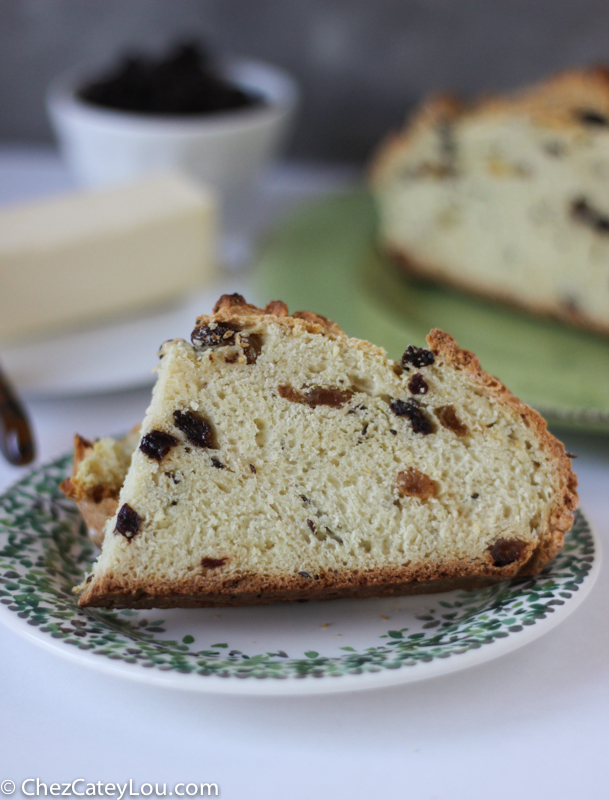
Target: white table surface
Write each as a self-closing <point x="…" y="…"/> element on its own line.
<point x="533" y="724"/>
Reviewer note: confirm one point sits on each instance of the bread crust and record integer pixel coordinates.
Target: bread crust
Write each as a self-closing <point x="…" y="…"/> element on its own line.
<point x="560" y="519"/>
<point x="241" y="589"/>
<point x="223" y="586"/>
<point x="435" y="109"/>
<point x="234" y="307"/>
<point x="418" y="268"/>
<point x="219" y="600"/>
<point x="549" y="102"/>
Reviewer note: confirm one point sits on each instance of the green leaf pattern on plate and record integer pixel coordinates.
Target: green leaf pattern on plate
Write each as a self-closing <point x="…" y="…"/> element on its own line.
<point x="44" y="549"/>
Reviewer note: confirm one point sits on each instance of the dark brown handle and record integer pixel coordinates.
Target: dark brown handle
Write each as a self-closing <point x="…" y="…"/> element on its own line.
<point x="16" y="440"/>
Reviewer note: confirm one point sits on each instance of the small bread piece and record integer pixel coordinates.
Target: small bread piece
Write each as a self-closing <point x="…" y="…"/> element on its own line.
<point x="281" y="460"/>
<point x="98" y="474"/>
<point x="507" y="198"/>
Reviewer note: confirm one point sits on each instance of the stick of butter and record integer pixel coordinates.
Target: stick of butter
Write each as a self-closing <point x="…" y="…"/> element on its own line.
<point x="78" y="257"/>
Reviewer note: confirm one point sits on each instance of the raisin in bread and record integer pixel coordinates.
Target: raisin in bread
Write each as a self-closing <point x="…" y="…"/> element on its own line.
<point x="508" y="198"/>
<point x="98" y="474"/>
<point x="281" y="460"/>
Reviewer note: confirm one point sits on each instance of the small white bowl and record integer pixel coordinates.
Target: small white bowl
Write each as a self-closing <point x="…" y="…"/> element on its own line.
<point x="226" y="150"/>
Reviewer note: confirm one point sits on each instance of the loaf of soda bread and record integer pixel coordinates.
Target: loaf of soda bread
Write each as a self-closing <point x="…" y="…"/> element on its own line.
<point x="507" y="198"/>
<point x="281" y="460"/>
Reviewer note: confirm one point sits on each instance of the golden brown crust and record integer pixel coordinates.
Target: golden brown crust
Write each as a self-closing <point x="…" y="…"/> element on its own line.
<point x="82" y="448"/>
<point x="565" y="502"/>
<point x="418" y="268"/>
<point x="202" y="591"/>
<point x="551" y="102"/>
<point x="277" y="307"/>
<point x="225" y="587"/>
<point x="237" y="303"/>
<point x="431" y="112"/>
<point x="210" y="600"/>
<point x="317" y="319"/>
<point x="234" y="308"/>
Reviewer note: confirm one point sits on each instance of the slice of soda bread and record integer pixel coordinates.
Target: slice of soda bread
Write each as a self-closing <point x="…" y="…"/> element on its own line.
<point x="507" y="198"/>
<point x="281" y="460"/>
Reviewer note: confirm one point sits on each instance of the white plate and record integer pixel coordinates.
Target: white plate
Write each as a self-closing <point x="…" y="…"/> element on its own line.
<point x="306" y="648"/>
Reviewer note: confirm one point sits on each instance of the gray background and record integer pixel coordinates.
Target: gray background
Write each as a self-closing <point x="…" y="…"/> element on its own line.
<point x="361" y="63"/>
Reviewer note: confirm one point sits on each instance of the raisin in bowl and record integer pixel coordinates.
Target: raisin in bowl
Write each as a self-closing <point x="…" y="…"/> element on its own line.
<point x="226" y="148"/>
